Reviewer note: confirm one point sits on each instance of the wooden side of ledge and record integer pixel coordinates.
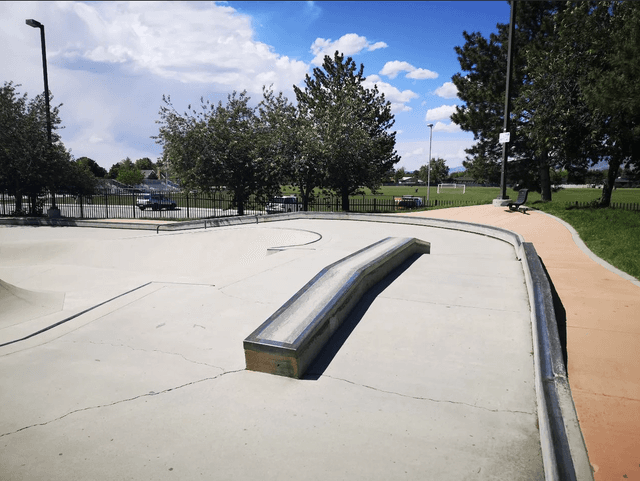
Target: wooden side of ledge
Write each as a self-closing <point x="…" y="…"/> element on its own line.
<point x="288" y="342"/>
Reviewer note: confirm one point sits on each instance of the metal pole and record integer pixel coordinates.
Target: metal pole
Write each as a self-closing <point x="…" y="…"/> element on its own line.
<point x="429" y="162"/>
<point x="507" y="111"/>
<point x="35" y="24"/>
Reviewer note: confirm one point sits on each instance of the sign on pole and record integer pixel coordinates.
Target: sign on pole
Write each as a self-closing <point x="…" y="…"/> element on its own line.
<point x="504" y="137"/>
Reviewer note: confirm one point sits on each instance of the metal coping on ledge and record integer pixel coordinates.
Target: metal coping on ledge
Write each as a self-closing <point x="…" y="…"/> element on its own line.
<point x="323" y="304"/>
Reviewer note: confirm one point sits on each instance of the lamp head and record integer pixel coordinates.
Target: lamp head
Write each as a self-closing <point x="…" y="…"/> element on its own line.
<point x="33" y="23"/>
<point x="429" y="125"/>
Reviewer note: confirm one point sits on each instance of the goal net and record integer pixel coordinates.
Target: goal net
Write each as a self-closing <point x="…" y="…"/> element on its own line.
<point x="456" y="187"/>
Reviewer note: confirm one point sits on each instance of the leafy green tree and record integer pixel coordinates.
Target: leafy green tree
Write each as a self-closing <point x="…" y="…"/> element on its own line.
<point x="113" y="171"/>
<point x="482" y="88"/>
<point x="219" y="145"/>
<point x="144" y="163"/>
<point x="129" y="175"/>
<point x="399" y="174"/>
<point x="605" y="37"/>
<point x="29" y="164"/>
<point x="92" y="166"/>
<point x="350" y="127"/>
<point x="439" y="171"/>
<point x="285" y="147"/>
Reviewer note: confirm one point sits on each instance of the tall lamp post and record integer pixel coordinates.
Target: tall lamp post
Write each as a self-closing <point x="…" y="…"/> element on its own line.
<point x="53" y="212"/>
<point x="429" y="162"/>
<point x="35" y="24"/>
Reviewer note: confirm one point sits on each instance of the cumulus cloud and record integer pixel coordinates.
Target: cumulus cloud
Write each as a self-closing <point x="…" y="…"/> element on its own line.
<point x="421" y="74"/>
<point x="439" y="113"/>
<point x="398" y="98"/>
<point x="448" y="128"/>
<point x="187" y="42"/>
<point x="349" y="44"/>
<point x="393" y="68"/>
<point x="447" y="91"/>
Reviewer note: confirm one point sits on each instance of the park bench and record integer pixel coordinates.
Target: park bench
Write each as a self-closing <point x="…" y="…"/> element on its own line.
<point x="519" y="203"/>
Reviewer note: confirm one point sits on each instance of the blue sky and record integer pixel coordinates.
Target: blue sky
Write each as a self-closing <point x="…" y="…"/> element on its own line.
<point x="110" y="63"/>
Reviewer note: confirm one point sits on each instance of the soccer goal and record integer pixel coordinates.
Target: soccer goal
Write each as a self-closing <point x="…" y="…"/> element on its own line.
<point x="456" y="187"/>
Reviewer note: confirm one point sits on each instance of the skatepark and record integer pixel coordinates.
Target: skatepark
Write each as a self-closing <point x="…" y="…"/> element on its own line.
<point x="121" y="354"/>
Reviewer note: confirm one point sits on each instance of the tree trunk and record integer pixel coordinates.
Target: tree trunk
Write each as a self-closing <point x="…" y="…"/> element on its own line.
<point x="545" y="177"/>
<point x="609" y="183"/>
<point x="18" y="198"/>
<point x="345" y="200"/>
<point x="240" y="202"/>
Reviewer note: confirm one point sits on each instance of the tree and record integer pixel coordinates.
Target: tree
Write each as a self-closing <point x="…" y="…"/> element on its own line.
<point x="349" y="127"/>
<point x="113" y="171"/>
<point x="605" y="36"/>
<point x="439" y="171"/>
<point x="144" y="164"/>
<point x="130" y="176"/>
<point x="399" y="174"/>
<point x="483" y="90"/>
<point x="219" y="145"/>
<point x="287" y="146"/>
<point x="29" y="164"/>
<point x="92" y="166"/>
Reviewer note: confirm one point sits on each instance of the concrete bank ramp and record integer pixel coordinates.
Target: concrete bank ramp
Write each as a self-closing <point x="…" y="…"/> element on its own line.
<point x="20" y="305"/>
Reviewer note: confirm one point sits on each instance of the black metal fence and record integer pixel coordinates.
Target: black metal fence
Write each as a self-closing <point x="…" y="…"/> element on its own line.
<point x="613" y="205"/>
<point x="190" y="205"/>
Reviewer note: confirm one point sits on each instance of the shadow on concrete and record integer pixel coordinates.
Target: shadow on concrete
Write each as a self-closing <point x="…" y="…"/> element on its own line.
<point x="326" y="355"/>
<point x="561" y="317"/>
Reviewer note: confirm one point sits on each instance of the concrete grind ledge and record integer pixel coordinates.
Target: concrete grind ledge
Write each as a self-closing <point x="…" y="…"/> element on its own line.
<point x="288" y="342"/>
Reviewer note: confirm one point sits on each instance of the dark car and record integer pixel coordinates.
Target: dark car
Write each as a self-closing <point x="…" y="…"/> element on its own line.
<point x="155" y="202"/>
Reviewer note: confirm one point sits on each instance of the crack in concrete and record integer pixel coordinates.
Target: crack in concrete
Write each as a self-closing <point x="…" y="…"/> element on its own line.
<point x="145" y="350"/>
<point x="121" y="401"/>
<point x="420" y="398"/>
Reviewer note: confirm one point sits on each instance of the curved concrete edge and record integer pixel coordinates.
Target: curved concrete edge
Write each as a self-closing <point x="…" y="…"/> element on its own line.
<point x="583" y="247"/>
<point x="563" y="447"/>
<point x="289" y="341"/>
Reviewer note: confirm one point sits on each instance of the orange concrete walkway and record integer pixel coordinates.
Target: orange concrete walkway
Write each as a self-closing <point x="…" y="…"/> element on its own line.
<point x="603" y="335"/>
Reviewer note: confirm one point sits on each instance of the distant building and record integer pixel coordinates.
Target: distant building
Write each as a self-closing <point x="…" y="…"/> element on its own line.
<point x="411" y="180"/>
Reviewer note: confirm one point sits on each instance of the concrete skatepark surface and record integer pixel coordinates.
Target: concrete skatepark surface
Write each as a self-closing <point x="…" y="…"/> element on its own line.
<point x="602" y="308"/>
<point x="432" y="380"/>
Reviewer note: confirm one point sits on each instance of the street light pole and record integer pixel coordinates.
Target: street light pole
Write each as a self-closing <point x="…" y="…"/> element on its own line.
<point x="35" y="24"/>
<point x="429" y="162"/>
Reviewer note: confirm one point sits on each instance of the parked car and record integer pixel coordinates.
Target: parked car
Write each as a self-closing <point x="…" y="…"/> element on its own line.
<point x="155" y="202"/>
<point x="284" y="203"/>
<point x="409" y="202"/>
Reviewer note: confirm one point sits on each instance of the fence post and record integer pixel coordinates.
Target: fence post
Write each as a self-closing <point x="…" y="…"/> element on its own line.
<point x="133" y="204"/>
<point x="106" y="205"/>
<point x="188" y="217"/>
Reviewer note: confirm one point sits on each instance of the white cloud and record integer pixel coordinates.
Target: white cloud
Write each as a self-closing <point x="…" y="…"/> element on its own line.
<point x="187" y="42"/>
<point x="421" y="74"/>
<point x="439" y="113"/>
<point x="393" y="68"/>
<point x="448" y="128"/>
<point x="397" y="97"/>
<point x="447" y="91"/>
<point x="349" y="44"/>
